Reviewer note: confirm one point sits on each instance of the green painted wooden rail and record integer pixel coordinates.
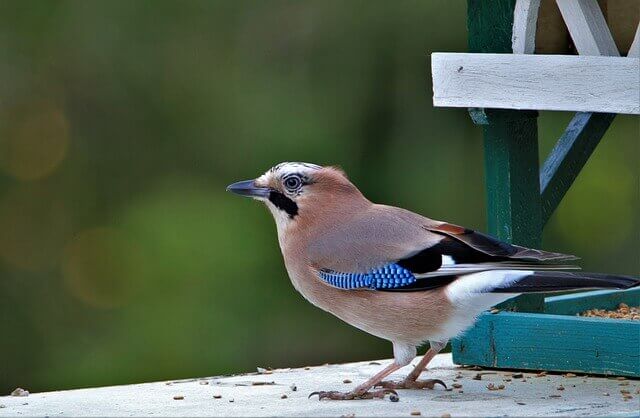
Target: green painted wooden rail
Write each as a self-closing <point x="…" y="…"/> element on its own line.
<point x="534" y="332"/>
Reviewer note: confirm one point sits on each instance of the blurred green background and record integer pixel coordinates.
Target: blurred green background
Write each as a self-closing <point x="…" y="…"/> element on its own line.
<point x="123" y="259"/>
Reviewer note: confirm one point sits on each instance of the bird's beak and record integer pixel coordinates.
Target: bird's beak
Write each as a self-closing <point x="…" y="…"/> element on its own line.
<point x="248" y="188"/>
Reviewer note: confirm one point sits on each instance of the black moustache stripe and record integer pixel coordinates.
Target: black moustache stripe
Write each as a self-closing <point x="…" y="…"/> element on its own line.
<point x="282" y="202"/>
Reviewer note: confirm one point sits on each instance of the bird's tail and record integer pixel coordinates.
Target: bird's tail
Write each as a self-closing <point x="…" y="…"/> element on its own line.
<point x="553" y="281"/>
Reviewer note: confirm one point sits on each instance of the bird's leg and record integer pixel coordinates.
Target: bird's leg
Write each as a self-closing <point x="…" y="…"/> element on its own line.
<point x="362" y="391"/>
<point x="411" y="381"/>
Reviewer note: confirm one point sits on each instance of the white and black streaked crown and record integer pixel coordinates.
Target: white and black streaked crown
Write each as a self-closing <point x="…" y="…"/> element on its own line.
<point x="285" y="168"/>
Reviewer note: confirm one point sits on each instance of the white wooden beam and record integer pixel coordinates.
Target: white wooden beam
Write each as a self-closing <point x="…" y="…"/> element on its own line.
<point x="587" y="27"/>
<point x="525" y="19"/>
<point x="543" y="82"/>
<point x="634" y="50"/>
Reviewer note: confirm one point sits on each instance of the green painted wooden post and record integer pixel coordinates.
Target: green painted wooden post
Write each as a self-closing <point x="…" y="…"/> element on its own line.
<point x="510" y="147"/>
<point x="520" y="199"/>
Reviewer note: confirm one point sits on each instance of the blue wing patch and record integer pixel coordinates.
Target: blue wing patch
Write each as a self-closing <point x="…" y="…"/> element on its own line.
<point x="391" y="276"/>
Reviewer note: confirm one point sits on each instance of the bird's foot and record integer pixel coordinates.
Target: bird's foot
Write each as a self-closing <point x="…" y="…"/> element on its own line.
<point x="411" y="384"/>
<point x="347" y="396"/>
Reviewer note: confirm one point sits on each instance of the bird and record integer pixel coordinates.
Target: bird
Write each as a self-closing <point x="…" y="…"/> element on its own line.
<point x="396" y="274"/>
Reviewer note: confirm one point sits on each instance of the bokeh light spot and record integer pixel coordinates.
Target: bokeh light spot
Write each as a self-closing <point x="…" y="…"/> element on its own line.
<point x="34" y="225"/>
<point x="33" y="139"/>
<point x="97" y="267"/>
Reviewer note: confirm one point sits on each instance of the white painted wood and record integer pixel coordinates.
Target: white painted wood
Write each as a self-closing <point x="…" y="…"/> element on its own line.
<point x="634" y="50"/>
<point x="543" y="82"/>
<point x="587" y="27"/>
<point x="284" y="393"/>
<point x="525" y="18"/>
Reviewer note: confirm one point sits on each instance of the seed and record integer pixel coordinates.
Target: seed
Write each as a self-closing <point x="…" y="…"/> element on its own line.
<point x="178" y="397"/>
<point x="415" y="413"/>
<point x="346" y="381"/>
<point x="217" y="396"/>
<point x="283" y="397"/>
<point x="457" y="385"/>
<point x="560" y="387"/>
<point x="517" y="375"/>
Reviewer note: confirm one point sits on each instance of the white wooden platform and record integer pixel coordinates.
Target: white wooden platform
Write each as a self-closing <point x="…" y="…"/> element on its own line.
<point x="273" y="395"/>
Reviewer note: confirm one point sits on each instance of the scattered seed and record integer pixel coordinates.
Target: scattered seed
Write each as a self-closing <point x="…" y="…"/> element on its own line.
<point x="283" y="397"/>
<point x="569" y="375"/>
<point x="494" y="311"/>
<point x="415" y="413"/>
<point x="351" y="415"/>
<point x="555" y="396"/>
<point x="624" y="311"/>
<point x="605" y="394"/>
<point x="448" y="389"/>
<point x="445" y="415"/>
<point x="624" y="392"/>
<point x="521" y="403"/>
<point x="262" y="370"/>
<point x="478" y="376"/>
<point x="374" y="363"/>
<point x="217" y="396"/>
<point x="178" y="398"/>
<point x="560" y="387"/>
<point x="204" y="382"/>
<point x="262" y="383"/>
<point x="623" y="384"/>
<point x="2" y="406"/>
<point x="517" y="375"/>
<point x="457" y="385"/>
<point x="507" y="380"/>
<point x="307" y="368"/>
<point x="500" y="387"/>
<point x="475" y="368"/>
<point x="231" y="400"/>
<point x="621" y="378"/>
<point x="394" y="398"/>
<point x="541" y="374"/>
<point x="346" y="381"/>
<point x="293" y="387"/>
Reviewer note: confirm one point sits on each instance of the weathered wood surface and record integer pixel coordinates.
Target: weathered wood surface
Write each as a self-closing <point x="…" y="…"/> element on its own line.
<point x="284" y="392"/>
<point x="634" y="50"/>
<point x="552" y="342"/>
<point x="525" y="19"/>
<point x="537" y="82"/>
<point x="568" y="156"/>
<point x="587" y="27"/>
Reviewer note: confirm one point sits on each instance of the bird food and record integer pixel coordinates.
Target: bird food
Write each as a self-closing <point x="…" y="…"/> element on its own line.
<point x="624" y="311"/>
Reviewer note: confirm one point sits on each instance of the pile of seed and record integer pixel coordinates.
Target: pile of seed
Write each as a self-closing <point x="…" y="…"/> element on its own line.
<point x="624" y="311"/>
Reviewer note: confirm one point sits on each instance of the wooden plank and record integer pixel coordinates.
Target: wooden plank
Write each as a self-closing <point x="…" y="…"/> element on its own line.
<point x="587" y="27"/>
<point x="569" y="155"/>
<point x="634" y="50"/>
<point x="525" y="18"/>
<point x="552" y="342"/>
<point x="538" y="82"/>
<point x="575" y="303"/>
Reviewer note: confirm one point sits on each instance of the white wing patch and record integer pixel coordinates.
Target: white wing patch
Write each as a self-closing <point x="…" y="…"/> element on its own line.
<point x="473" y="285"/>
<point x="447" y="260"/>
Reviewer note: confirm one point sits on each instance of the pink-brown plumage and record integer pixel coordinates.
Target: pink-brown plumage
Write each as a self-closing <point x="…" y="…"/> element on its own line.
<point x="325" y="223"/>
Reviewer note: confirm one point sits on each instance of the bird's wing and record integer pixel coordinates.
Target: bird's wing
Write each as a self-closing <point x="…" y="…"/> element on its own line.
<point x="391" y="248"/>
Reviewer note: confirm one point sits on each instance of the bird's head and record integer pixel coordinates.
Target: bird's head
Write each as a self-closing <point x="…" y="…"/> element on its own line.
<point x="293" y="191"/>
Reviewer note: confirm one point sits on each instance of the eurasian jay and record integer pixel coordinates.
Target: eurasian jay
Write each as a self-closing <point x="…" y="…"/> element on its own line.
<point x="396" y="274"/>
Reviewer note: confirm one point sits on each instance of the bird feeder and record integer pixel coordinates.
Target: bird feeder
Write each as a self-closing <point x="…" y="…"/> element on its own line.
<point x="524" y="59"/>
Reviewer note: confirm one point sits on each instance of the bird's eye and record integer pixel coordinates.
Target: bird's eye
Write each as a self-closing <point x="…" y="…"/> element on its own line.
<point x="292" y="183"/>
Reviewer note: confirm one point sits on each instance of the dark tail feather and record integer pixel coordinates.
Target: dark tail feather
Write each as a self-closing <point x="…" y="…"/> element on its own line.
<point x="553" y="281"/>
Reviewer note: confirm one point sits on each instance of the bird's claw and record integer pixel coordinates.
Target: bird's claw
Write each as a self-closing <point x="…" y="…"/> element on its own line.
<point x="412" y="384"/>
<point x="347" y="396"/>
